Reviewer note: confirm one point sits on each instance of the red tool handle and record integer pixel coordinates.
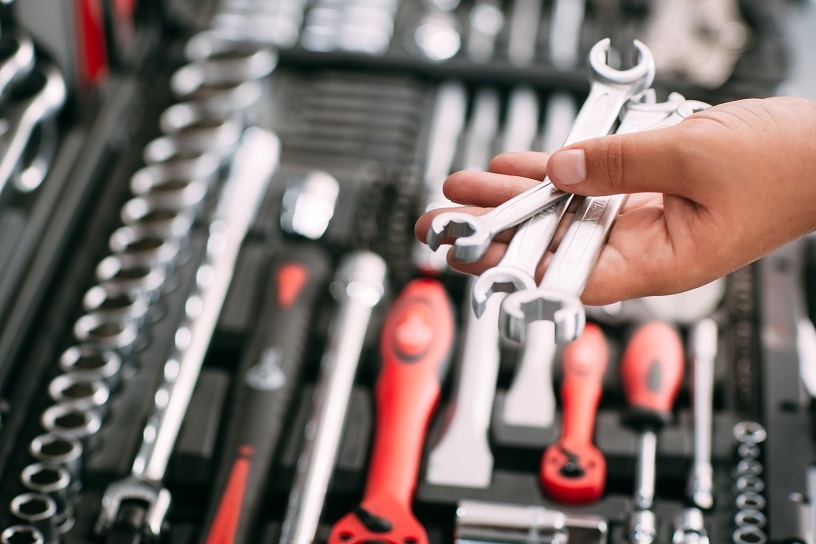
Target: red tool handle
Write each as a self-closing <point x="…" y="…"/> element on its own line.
<point x="584" y="362"/>
<point x="652" y="371"/>
<point x="416" y="345"/>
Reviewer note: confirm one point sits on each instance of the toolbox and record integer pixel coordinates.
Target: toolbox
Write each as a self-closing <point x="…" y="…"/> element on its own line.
<point x="217" y="325"/>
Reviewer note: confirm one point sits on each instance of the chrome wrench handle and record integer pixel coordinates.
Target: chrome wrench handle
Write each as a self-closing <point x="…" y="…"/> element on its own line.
<point x="609" y="91"/>
<point x="253" y="166"/>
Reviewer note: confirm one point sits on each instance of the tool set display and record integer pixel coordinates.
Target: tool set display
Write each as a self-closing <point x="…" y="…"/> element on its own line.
<point x="217" y="326"/>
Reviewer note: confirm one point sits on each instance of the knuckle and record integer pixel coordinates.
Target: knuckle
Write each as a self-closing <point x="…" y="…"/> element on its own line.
<point x="612" y="165"/>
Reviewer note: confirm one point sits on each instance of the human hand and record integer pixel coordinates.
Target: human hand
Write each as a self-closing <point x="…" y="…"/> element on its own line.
<point x="718" y="191"/>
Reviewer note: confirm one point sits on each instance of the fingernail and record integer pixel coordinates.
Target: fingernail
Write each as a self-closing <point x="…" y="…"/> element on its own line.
<point x="568" y="167"/>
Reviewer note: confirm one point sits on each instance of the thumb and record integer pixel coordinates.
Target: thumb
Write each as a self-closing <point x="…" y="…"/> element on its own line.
<point x="651" y="161"/>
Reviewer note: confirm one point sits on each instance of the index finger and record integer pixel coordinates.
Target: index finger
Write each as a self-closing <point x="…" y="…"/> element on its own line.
<point x="526" y="164"/>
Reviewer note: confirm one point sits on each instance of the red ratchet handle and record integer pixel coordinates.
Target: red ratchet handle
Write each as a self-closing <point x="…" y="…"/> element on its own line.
<point x="416" y="344"/>
<point x="652" y="371"/>
<point x="584" y="362"/>
<point x="573" y="470"/>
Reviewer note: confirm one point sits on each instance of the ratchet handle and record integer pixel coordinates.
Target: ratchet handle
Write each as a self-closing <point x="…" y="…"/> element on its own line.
<point x="416" y="345"/>
<point x="263" y="392"/>
<point x="652" y="372"/>
<point x="584" y="362"/>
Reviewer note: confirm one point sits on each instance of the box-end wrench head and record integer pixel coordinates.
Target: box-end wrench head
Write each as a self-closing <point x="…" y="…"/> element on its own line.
<point x="516" y="270"/>
<point x="563" y="309"/>
<point x="610" y="89"/>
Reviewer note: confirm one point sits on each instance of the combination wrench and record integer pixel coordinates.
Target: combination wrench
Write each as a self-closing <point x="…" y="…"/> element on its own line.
<point x="609" y="91"/>
<point x="252" y="169"/>
<point x="33" y="105"/>
<point x="557" y="297"/>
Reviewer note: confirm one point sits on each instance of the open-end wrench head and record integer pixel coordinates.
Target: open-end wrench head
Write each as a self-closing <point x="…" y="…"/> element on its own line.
<point x="564" y="310"/>
<point x="468" y="234"/>
<point x="499" y="279"/>
<point x="155" y="498"/>
<point x="642" y="72"/>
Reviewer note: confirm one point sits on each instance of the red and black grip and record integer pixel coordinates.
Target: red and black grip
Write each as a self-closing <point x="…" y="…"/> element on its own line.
<point x="263" y="391"/>
<point x="652" y="372"/>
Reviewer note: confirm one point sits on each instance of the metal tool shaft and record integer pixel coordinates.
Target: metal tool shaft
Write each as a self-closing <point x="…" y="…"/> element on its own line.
<point x="359" y="287"/>
<point x="704" y="352"/>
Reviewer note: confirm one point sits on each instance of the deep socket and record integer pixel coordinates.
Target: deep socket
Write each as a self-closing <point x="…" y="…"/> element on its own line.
<point x="55" y="482"/>
<point x="138" y="246"/>
<point x="21" y="534"/>
<point x="93" y="361"/>
<point x="130" y="307"/>
<point x="150" y="213"/>
<point x="115" y="276"/>
<point x="38" y="510"/>
<point x="62" y="451"/>
<point x="73" y="422"/>
<point x="79" y="390"/>
<point x="98" y="329"/>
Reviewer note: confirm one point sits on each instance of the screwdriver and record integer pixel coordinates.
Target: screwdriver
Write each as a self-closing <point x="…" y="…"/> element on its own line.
<point x="652" y="370"/>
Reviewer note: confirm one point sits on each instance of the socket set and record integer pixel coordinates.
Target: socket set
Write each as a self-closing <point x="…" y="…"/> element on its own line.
<point x="231" y="333"/>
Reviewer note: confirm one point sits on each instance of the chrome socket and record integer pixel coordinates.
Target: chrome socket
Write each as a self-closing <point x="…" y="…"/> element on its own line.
<point x="153" y="216"/>
<point x="189" y="139"/>
<point x="100" y="330"/>
<point x="127" y="307"/>
<point x="55" y="482"/>
<point x="70" y="421"/>
<point x="193" y="127"/>
<point x="37" y="510"/>
<point x="79" y="390"/>
<point x="189" y="83"/>
<point x="64" y="451"/>
<point x="93" y="361"/>
<point x="171" y="192"/>
<point x="117" y="277"/>
<point x="21" y="534"/>
<point x="139" y="247"/>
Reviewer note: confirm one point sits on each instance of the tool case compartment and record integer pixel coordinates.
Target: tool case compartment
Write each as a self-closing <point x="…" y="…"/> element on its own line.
<point x="366" y="121"/>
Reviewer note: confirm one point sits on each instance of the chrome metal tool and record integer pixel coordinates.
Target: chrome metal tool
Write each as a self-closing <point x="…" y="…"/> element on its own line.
<point x="609" y="91"/>
<point x="252" y="168"/>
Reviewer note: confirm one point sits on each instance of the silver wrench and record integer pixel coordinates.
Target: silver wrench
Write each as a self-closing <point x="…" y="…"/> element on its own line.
<point x="34" y="102"/>
<point x="557" y="297"/>
<point x="609" y="91"/>
<point x="253" y="166"/>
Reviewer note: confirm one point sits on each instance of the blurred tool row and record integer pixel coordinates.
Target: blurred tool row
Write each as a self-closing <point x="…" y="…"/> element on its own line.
<point x="216" y="325"/>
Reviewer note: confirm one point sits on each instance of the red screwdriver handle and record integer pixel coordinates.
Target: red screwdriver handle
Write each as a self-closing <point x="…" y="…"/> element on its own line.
<point x="584" y="362"/>
<point x="652" y="372"/>
<point x="416" y="345"/>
